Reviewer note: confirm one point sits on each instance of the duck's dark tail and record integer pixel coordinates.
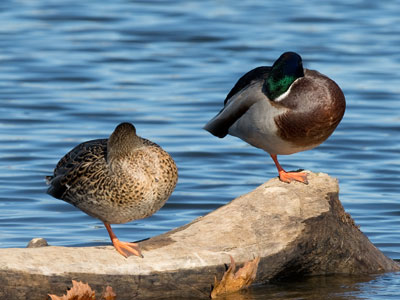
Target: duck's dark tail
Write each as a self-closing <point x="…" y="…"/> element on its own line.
<point x="56" y="187"/>
<point x="217" y="126"/>
<point x="48" y="179"/>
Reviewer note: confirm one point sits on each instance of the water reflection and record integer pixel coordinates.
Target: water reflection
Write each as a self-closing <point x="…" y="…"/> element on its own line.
<point x="339" y="287"/>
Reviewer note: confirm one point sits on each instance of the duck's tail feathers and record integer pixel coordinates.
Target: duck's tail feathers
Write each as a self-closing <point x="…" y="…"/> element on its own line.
<point x="217" y="126"/>
<point x="234" y="109"/>
<point x="48" y="179"/>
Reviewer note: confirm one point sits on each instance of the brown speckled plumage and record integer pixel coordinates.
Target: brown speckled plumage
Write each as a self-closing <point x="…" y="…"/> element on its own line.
<point x="116" y="180"/>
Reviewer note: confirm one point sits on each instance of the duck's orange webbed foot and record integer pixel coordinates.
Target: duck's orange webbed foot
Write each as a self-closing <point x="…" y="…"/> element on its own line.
<point x="290" y="176"/>
<point x="124" y="248"/>
<point x="127" y="249"/>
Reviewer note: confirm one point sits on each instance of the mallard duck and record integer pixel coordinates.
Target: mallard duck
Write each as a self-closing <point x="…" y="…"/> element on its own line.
<point x="281" y="109"/>
<point x="116" y="180"/>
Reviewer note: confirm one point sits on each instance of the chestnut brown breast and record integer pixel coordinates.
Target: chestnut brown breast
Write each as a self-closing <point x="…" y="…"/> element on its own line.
<point x="315" y="105"/>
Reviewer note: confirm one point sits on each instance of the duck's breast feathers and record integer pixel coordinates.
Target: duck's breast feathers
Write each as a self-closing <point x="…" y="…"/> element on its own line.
<point x="247" y="91"/>
<point x="72" y="166"/>
<point x="316" y="106"/>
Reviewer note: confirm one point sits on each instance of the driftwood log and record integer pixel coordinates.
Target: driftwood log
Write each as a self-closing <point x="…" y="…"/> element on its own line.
<point x="296" y="229"/>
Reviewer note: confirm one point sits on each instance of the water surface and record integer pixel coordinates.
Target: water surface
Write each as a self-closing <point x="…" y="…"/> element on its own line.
<point x="70" y="71"/>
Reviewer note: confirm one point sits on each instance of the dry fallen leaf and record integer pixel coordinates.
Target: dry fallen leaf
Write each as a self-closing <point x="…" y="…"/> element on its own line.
<point x="82" y="291"/>
<point x="109" y="294"/>
<point x="232" y="282"/>
<point x="79" y="291"/>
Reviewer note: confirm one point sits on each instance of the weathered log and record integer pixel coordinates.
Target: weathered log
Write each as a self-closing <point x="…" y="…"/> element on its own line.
<point x="296" y="229"/>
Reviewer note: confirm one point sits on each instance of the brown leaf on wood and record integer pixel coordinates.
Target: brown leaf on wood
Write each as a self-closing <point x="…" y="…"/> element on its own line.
<point x="79" y="291"/>
<point x="109" y="294"/>
<point x="232" y="282"/>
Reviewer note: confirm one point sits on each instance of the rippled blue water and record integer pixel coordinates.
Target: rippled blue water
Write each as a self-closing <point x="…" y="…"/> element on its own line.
<point x="72" y="70"/>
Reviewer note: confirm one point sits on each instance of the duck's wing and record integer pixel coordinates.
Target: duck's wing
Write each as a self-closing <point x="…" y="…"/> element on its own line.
<point x="73" y="164"/>
<point x="246" y="92"/>
<point x="259" y="73"/>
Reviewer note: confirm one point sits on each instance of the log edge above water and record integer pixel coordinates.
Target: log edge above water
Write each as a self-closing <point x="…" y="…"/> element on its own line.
<point x="296" y="229"/>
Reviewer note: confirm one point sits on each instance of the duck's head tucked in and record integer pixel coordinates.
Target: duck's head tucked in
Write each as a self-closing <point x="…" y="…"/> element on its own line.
<point x="116" y="180"/>
<point x="283" y="73"/>
<point x="281" y="109"/>
<point x="122" y="142"/>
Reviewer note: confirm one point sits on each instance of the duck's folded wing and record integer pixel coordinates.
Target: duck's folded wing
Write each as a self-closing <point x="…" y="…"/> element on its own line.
<point x="257" y="74"/>
<point x="246" y="92"/>
<point x="235" y="108"/>
<point x="70" y="167"/>
<point x="86" y="151"/>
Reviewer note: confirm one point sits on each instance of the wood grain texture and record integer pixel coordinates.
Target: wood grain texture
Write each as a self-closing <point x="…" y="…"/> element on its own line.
<point x="296" y="229"/>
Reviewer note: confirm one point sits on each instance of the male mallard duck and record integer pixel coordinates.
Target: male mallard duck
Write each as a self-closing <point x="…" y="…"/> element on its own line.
<point x="116" y="180"/>
<point x="281" y="109"/>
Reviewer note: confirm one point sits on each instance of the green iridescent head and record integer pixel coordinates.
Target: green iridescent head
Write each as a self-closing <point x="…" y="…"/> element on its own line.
<point x="285" y="70"/>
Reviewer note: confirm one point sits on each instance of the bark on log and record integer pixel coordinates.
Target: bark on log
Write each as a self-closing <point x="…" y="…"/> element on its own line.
<point x="296" y="229"/>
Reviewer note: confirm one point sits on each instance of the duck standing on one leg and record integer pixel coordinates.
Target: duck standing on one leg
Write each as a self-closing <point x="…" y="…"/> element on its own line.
<point x="281" y="109"/>
<point x="116" y="180"/>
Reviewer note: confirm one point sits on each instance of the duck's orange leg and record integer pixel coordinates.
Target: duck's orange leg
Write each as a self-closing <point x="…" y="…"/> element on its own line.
<point x="124" y="248"/>
<point x="289" y="176"/>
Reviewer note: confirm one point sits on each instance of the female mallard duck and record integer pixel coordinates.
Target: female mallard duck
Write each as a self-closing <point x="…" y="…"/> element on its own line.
<point x="116" y="180"/>
<point x="281" y="109"/>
